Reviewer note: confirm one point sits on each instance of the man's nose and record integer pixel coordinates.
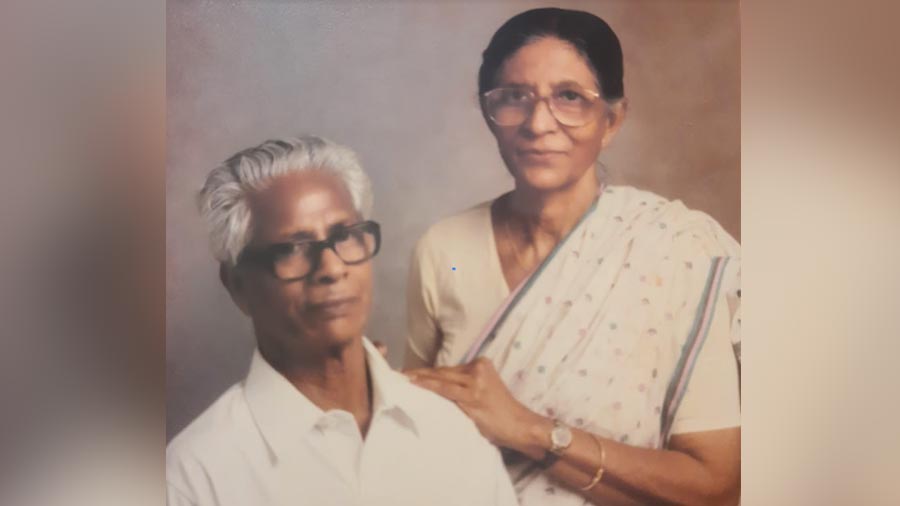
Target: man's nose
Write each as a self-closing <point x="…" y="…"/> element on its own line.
<point x="330" y="268"/>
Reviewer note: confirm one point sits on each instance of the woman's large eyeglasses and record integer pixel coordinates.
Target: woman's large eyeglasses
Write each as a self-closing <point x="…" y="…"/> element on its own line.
<point x="571" y="105"/>
<point x="293" y="261"/>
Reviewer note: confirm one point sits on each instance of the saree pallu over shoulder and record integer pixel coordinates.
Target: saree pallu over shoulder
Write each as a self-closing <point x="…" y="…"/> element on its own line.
<point x="605" y="334"/>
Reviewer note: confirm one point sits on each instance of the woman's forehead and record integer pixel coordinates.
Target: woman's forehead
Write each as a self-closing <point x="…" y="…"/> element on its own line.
<point x="547" y="61"/>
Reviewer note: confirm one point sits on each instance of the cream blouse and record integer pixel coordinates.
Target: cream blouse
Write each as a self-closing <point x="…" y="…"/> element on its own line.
<point x="456" y="283"/>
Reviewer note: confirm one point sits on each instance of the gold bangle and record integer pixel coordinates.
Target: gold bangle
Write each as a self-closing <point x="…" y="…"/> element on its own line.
<point x="599" y="474"/>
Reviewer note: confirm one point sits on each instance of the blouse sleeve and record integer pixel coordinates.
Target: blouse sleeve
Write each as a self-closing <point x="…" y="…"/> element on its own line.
<point x="733" y="294"/>
<point x="712" y="399"/>
<point x="422" y="332"/>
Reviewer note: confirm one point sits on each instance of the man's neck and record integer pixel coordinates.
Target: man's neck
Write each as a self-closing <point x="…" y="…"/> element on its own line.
<point x="336" y="379"/>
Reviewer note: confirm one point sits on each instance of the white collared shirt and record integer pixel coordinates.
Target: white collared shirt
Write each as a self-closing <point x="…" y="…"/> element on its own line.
<point x="264" y="443"/>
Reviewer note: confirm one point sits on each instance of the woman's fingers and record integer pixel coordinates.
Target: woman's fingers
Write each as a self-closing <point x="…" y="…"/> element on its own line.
<point x="412" y="373"/>
<point x="446" y="389"/>
<point x="381" y="347"/>
<point x="445" y="374"/>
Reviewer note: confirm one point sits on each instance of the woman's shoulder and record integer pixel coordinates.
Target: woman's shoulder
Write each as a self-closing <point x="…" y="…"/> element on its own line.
<point x="460" y="228"/>
<point x="707" y="235"/>
<point x="690" y="229"/>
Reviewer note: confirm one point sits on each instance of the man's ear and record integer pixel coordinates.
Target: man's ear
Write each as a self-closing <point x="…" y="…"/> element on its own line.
<point x="615" y="115"/>
<point x="233" y="282"/>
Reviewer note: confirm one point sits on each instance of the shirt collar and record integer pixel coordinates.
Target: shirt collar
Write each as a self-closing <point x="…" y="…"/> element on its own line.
<point x="284" y="415"/>
<point x="390" y="389"/>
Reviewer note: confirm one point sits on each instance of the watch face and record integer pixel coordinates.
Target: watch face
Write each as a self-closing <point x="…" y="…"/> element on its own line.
<point x="561" y="437"/>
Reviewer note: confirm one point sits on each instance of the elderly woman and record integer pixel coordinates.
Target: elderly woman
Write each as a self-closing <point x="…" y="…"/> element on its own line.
<point x="585" y="328"/>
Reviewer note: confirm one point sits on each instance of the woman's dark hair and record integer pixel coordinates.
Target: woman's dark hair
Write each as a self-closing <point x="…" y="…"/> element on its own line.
<point x="590" y="35"/>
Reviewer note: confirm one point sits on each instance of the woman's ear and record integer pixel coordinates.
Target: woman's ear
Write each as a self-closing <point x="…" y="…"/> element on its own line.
<point x="232" y="280"/>
<point x="615" y="115"/>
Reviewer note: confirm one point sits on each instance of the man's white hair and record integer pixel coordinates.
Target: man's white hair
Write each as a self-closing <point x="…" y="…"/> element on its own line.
<point x="224" y="199"/>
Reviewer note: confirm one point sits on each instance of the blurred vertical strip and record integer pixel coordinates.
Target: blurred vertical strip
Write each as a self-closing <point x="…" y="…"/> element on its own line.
<point x="82" y="134"/>
<point x="821" y="243"/>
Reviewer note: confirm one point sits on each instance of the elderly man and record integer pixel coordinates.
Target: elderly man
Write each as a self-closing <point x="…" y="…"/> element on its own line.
<point x="321" y="418"/>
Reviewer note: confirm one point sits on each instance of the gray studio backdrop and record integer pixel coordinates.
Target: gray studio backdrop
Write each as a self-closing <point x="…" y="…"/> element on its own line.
<point x="396" y="81"/>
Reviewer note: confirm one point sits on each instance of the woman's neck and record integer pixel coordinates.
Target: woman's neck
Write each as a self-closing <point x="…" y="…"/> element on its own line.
<point x="550" y="215"/>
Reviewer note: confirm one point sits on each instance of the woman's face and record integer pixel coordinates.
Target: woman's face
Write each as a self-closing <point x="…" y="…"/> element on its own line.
<point x="541" y="153"/>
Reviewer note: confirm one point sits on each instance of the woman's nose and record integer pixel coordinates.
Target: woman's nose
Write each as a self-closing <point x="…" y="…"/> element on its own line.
<point x="541" y="119"/>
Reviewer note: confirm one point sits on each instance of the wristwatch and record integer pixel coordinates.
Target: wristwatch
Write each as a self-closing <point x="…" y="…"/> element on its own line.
<point x="560" y="439"/>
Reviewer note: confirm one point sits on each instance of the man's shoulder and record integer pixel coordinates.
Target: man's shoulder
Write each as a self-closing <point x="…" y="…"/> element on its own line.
<point x="437" y="417"/>
<point x="225" y="422"/>
<point x="203" y="456"/>
<point x="452" y="441"/>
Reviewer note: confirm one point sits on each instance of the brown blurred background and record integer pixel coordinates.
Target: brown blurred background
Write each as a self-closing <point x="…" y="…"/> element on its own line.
<point x="396" y="81"/>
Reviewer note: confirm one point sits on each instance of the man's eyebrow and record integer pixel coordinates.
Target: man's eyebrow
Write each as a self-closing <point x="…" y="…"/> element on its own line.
<point x="343" y="224"/>
<point x="301" y="236"/>
<point x="309" y="236"/>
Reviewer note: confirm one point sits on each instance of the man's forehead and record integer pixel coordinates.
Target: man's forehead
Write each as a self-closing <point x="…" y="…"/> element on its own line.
<point x="306" y="201"/>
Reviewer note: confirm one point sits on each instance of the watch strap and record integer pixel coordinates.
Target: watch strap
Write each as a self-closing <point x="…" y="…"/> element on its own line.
<point x="549" y="459"/>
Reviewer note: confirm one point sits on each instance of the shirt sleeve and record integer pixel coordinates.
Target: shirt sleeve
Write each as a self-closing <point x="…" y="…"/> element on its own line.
<point x="505" y="494"/>
<point x="175" y="497"/>
<point x="423" y="334"/>
<point x="495" y="486"/>
<point x="181" y="468"/>
<point x="712" y="398"/>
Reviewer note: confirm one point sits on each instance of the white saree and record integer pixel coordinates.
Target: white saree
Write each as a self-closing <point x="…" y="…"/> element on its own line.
<point x="606" y="332"/>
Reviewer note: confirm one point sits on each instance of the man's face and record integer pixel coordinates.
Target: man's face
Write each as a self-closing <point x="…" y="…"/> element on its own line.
<point x="327" y="309"/>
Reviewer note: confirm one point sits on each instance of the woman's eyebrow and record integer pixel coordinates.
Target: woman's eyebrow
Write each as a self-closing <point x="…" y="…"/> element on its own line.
<point x="514" y="84"/>
<point x="557" y="84"/>
<point x="569" y="82"/>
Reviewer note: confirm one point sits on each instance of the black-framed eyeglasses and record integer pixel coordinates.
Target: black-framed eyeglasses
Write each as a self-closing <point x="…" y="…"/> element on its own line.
<point x="570" y="104"/>
<point x="296" y="260"/>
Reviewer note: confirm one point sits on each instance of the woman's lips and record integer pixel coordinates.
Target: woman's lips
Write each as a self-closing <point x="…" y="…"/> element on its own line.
<point x="540" y="154"/>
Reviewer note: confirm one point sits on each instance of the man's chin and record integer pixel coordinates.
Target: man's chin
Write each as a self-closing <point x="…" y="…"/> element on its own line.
<point x="339" y="332"/>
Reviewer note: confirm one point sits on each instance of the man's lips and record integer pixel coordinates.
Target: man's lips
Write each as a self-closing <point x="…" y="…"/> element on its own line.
<point x="333" y="307"/>
<point x="541" y="150"/>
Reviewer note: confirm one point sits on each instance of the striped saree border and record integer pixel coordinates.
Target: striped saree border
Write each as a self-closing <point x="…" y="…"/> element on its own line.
<point x="692" y="346"/>
<point x="488" y="334"/>
<point x="490" y="330"/>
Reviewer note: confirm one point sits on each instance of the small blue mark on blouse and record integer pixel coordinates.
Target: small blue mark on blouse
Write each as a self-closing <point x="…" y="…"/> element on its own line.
<point x="453" y="268"/>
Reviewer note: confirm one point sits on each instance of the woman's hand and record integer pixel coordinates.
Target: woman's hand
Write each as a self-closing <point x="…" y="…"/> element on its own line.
<point x="480" y="392"/>
<point x="381" y="347"/>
